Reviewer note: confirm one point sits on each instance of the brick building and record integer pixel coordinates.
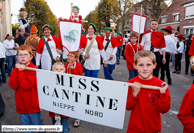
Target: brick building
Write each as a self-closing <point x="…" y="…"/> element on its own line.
<point x="171" y="16"/>
<point x="187" y="17"/>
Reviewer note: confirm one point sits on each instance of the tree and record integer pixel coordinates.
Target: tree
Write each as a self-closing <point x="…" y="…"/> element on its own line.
<point x="92" y="17"/>
<point x="107" y="12"/>
<point x="154" y="8"/>
<point x="14" y="28"/>
<point x="123" y="7"/>
<point x="39" y="14"/>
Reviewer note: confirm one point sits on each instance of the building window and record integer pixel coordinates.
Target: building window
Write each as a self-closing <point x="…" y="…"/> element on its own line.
<point x="163" y="20"/>
<point x="189" y="11"/>
<point x="176" y="18"/>
<point x="188" y="31"/>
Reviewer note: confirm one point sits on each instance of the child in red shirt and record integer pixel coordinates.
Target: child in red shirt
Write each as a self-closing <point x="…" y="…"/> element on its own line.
<point x="74" y="68"/>
<point x="130" y="51"/>
<point x="25" y="86"/>
<point x="186" y="114"/>
<point x="119" y="40"/>
<point x="64" y="120"/>
<point x="146" y="104"/>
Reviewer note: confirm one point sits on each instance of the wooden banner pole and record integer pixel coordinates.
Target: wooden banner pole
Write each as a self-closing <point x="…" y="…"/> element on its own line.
<point x="130" y="84"/>
<point x="70" y="53"/>
<point x="139" y="28"/>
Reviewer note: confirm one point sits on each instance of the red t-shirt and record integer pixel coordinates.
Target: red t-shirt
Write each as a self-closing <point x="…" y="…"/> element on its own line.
<point x="25" y="85"/>
<point x="146" y="107"/>
<point x="186" y="113"/>
<point x="119" y="41"/>
<point x="130" y="51"/>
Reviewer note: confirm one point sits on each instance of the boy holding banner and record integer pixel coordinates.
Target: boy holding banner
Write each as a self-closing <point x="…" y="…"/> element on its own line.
<point x="74" y="67"/>
<point x="131" y="49"/>
<point x="25" y="85"/>
<point x="56" y="118"/>
<point x="146" y="104"/>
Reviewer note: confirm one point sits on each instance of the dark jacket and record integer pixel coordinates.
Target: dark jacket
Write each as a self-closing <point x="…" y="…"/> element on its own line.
<point x="20" y="40"/>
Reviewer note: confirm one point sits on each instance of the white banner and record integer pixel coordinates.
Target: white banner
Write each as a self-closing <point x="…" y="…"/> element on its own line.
<point x="90" y="99"/>
<point x="136" y="23"/>
<point x="70" y="34"/>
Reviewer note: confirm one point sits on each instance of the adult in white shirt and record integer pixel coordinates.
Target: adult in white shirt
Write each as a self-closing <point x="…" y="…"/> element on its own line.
<point x="170" y="49"/>
<point x="2" y="64"/>
<point x="179" y="51"/>
<point x="154" y="41"/>
<point x="92" y="62"/>
<point x="175" y="39"/>
<point x="11" y="51"/>
<point x="110" y="48"/>
<point x="42" y="52"/>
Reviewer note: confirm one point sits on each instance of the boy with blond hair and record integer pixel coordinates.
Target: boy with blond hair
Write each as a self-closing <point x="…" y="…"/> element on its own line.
<point x="146" y="104"/>
<point x="56" y="118"/>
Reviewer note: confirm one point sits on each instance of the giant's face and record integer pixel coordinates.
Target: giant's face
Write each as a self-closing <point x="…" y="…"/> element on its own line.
<point x="75" y="11"/>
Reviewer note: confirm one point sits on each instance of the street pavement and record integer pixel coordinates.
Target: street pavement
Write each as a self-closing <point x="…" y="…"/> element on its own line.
<point x="170" y="124"/>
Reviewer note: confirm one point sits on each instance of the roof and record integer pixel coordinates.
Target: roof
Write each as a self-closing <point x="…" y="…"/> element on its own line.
<point x="189" y="1"/>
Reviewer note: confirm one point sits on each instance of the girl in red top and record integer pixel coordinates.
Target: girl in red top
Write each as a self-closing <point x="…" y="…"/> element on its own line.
<point x="130" y="51"/>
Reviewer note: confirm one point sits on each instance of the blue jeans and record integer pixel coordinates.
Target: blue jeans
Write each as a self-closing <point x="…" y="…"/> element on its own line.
<point x="108" y="71"/>
<point x="173" y="60"/>
<point x="119" y="50"/>
<point x="91" y="73"/>
<point x="65" y="124"/>
<point x="2" y="67"/>
<point x="132" y="74"/>
<point x="11" y="61"/>
<point x="31" y="119"/>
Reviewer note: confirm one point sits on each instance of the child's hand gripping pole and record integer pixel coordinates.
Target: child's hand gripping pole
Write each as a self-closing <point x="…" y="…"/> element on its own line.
<point x="147" y="87"/>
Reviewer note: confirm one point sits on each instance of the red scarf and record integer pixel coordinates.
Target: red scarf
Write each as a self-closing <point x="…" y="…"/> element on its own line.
<point x="157" y="39"/>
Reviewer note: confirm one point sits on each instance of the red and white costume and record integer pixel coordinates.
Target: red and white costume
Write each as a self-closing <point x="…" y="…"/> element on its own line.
<point x="111" y="49"/>
<point x="79" y="17"/>
<point x="130" y="51"/>
<point x="154" y="37"/>
<point x="42" y="52"/>
<point x="93" y="62"/>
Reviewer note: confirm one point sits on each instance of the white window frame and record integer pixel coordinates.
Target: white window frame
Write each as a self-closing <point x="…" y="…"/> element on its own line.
<point x="187" y="5"/>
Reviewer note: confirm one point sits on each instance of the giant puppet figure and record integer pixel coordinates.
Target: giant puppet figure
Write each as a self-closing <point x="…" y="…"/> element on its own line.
<point x="75" y="13"/>
<point x="23" y="22"/>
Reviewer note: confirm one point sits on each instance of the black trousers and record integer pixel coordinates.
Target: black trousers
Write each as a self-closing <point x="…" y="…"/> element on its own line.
<point x="178" y="62"/>
<point x="165" y="67"/>
<point x="123" y="52"/>
<point x="159" y="63"/>
<point x="33" y="60"/>
<point x="187" y="62"/>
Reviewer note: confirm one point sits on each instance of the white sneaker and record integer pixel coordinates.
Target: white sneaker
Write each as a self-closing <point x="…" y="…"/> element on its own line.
<point x="76" y="123"/>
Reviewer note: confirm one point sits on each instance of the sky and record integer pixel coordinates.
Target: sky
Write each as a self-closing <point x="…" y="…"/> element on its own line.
<point x="61" y="8"/>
